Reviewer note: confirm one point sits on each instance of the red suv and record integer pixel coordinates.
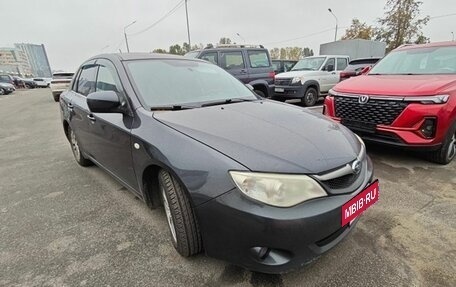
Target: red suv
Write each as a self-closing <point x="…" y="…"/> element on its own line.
<point x="407" y="99"/>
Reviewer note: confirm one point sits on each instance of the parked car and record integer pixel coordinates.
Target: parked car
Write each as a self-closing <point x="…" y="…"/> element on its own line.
<point x="281" y="66"/>
<point x="7" y="79"/>
<point x="408" y="100"/>
<point x="18" y="82"/>
<point x="310" y="79"/>
<point x="6" y="88"/>
<point x="185" y="134"/>
<point x="355" y="67"/>
<point x="30" y="83"/>
<point x="41" y="83"/>
<point x="249" y="63"/>
<point x="59" y="83"/>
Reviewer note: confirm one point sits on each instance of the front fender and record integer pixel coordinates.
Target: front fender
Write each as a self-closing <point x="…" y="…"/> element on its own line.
<point x="202" y="170"/>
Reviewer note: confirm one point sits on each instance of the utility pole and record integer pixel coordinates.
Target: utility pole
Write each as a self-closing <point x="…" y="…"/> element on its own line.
<point x="188" y="27"/>
<point x="125" y="34"/>
<point x="337" y="23"/>
<point x="452" y="33"/>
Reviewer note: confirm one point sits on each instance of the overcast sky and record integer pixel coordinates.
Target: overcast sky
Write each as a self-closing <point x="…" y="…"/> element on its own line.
<point x="74" y="30"/>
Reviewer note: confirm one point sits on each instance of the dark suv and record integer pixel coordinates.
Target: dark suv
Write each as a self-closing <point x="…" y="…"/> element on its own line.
<point x="249" y="64"/>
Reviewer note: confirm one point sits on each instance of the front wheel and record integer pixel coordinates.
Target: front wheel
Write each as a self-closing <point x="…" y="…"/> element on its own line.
<point x="56" y="97"/>
<point x="447" y="152"/>
<point x="310" y="97"/>
<point x="2" y="91"/>
<point x="78" y="156"/>
<point x="180" y="216"/>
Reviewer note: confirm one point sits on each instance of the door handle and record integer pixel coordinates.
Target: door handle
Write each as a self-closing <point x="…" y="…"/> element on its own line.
<point x="333" y="73"/>
<point x="243" y="72"/>
<point x="91" y="118"/>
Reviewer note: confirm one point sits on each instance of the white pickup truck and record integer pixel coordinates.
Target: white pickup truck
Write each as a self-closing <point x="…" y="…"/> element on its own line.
<point x="310" y="79"/>
<point x="59" y="83"/>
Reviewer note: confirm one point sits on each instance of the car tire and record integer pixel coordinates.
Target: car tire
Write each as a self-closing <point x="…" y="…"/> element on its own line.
<point x="78" y="156"/>
<point x="310" y="97"/>
<point x="180" y="216"/>
<point x="259" y="93"/>
<point x="2" y="91"/>
<point x="56" y="98"/>
<point x="447" y="152"/>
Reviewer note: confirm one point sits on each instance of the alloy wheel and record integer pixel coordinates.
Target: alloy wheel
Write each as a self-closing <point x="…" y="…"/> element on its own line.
<point x="2" y="92"/>
<point x="75" y="146"/>
<point x="452" y="148"/>
<point x="168" y="214"/>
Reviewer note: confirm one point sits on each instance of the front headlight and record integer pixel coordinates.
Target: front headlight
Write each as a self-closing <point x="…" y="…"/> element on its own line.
<point x="277" y="189"/>
<point x="296" y="80"/>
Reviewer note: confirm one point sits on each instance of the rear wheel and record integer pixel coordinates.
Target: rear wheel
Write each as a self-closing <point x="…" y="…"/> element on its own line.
<point x="447" y="152"/>
<point x="2" y="91"/>
<point x="180" y="216"/>
<point x="310" y="97"/>
<point x="78" y="156"/>
<point x="56" y="97"/>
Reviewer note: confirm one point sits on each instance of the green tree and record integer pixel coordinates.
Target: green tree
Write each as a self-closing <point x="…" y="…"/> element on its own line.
<point x="176" y="49"/>
<point x="275" y="53"/>
<point x="358" y="30"/>
<point x="306" y="52"/>
<point x="401" y="23"/>
<point x="225" y="41"/>
<point x="160" y="51"/>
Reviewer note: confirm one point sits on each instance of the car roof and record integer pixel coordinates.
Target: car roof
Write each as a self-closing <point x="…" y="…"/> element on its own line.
<point x="427" y="45"/>
<point x="329" y="56"/>
<point x="140" y="56"/>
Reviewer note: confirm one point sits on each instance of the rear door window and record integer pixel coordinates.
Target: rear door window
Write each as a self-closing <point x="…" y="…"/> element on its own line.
<point x="341" y="64"/>
<point x="258" y="59"/>
<point x="232" y="60"/>
<point x="330" y="62"/>
<point x="87" y="79"/>
<point x="210" y="57"/>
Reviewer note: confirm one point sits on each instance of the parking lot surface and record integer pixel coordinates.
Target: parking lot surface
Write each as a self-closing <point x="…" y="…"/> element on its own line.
<point x="64" y="225"/>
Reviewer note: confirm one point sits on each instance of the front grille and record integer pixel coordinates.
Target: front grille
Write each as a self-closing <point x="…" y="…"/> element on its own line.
<point x="282" y="82"/>
<point x="341" y="182"/>
<point x="375" y="111"/>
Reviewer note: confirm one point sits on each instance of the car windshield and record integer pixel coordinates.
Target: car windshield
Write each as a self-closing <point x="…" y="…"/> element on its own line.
<point x="166" y="82"/>
<point x="193" y="54"/>
<point x="418" y="61"/>
<point x="312" y="64"/>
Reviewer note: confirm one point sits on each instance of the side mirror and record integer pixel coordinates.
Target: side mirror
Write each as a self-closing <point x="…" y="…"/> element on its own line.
<point x="104" y="102"/>
<point x="250" y="87"/>
<point x="365" y="70"/>
<point x="330" y="68"/>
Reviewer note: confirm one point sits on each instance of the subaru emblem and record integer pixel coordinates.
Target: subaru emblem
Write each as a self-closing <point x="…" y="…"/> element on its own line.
<point x="356" y="167"/>
<point x="363" y="99"/>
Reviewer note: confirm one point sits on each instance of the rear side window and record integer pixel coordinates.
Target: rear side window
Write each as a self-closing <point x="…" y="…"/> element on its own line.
<point x="210" y="57"/>
<point x="86" y="81"/>
<point x="232" y="60"/>
<point x="288" y="66"/>
<point x="341" y="64"/>
<point x="258" y="59"/>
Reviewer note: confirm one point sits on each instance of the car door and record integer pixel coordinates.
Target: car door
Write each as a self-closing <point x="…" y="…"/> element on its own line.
<point x="77" y="105"/>
<point x="329" y="75"/>
<point x="233" y="61"/>
<point x="259" y="65"/>
<point x="110" y="143"/>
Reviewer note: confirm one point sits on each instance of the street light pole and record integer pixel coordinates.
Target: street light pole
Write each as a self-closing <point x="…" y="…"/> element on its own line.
<point x="188" y="27"/>
<point x="125" y="34"/>
<point x="452" y="33"/>
<point x="337" y="23"/>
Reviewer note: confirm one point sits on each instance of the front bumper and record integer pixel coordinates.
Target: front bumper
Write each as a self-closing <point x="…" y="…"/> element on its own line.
<point x="289" y="92"/>
<point x="405" y="129"/>
<point x="235" y="228"/>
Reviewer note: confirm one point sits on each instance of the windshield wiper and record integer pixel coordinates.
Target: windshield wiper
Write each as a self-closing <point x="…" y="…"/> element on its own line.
<point x="302" y="69"/>
<point x="171" y="108"/>
<point x="226" y="101"/>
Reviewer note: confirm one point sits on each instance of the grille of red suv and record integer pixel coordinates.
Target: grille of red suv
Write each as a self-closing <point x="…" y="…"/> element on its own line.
<point x="375" y="111"/>
<point x="282" y="82"/>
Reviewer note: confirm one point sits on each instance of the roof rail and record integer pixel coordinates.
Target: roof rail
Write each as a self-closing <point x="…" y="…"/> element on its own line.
<point x="406" y="45"/>
<point x="238" y="46"/>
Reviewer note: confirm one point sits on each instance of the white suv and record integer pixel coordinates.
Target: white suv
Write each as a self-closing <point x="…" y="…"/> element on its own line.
<point x="59" y="83"/>
<point x="310" y="79"/>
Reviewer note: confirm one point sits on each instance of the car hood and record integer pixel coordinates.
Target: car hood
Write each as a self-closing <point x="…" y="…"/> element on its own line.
<point x="268" y="136"/>
<point x="293" y="74"/>
<point x="398" y="85"/>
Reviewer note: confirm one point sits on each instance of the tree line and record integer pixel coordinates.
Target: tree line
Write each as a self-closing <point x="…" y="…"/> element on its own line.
<point x="401" y="24"/>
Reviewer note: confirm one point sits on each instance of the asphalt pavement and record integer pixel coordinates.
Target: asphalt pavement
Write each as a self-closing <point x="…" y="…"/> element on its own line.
<point x="64" y="225"/>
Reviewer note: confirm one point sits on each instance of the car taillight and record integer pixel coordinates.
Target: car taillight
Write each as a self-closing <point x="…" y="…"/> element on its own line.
<point x="272" y="75"/>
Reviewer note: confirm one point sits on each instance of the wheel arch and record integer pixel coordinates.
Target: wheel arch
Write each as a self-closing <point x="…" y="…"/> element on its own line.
<point x="312" y="84"/>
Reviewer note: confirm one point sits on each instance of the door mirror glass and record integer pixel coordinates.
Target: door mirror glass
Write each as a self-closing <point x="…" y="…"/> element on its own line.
<point x="104" y="102"/>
